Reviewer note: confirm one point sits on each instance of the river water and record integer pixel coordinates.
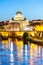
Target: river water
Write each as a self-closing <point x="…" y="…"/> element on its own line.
<point x="13" y="52"/>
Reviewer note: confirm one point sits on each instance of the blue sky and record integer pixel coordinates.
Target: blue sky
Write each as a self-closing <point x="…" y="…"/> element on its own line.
<point x="31" y="9"/>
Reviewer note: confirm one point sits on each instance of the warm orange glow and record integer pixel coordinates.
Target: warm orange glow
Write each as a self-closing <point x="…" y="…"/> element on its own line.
<point x="19" y="43"/>
<point x="39" y="27"/>
<point x="32" y="54"/>
<point x="19" y="33"/>
<point x="32" y="33"/>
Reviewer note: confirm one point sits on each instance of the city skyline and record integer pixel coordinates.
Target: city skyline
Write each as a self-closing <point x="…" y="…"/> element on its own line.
<point x="31" y="9"/>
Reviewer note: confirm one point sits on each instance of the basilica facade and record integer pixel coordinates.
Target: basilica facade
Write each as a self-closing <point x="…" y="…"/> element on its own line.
<point x="18" y="23"/>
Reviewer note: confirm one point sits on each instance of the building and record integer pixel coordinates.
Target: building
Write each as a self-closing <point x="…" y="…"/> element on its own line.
<point x="20" y="24"/>
<point x="17" y="23"/>
<point x="37" y="25"/>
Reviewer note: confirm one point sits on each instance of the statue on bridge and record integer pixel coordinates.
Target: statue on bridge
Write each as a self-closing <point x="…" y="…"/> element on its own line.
<point x="25" y="35"/>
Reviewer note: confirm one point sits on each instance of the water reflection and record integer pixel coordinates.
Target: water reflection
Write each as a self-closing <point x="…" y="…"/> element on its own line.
<point x="13" y="52"/>
<point x="11" y="55"/>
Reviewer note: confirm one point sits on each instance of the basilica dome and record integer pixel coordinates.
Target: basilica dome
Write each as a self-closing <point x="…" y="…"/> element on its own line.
<point x="18" y="16"/>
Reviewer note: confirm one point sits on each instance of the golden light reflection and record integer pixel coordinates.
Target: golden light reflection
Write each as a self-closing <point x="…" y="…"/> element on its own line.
<point x="40" y="49"/>
<point x="36" y="51"/>
<point x="5" y="42"/>
<point x="32" y="46"/>
<point x="32" y="54"/>
<point x="19" y="45"/>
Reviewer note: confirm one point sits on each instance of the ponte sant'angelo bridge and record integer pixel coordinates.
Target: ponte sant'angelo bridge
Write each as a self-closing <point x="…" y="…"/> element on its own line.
<point x="35" y="36"/>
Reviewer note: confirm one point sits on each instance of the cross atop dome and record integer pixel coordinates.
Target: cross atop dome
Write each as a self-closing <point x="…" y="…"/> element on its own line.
<point x="18" y="12"/>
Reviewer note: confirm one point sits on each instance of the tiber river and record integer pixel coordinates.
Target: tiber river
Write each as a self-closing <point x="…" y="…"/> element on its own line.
<point x="13" y="52"/>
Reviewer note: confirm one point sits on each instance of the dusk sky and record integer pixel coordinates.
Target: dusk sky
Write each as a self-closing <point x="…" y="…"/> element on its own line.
<point x="31" y="9"/>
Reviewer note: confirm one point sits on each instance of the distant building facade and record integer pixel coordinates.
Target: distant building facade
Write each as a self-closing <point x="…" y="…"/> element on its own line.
<point x="20" y="23"/>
